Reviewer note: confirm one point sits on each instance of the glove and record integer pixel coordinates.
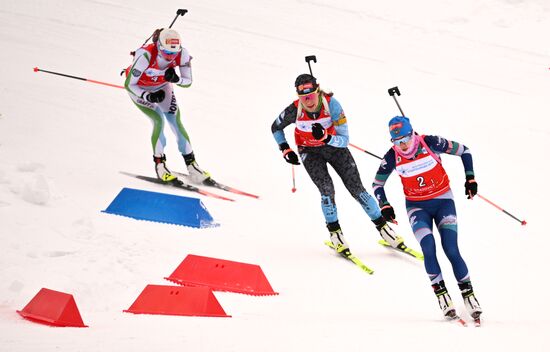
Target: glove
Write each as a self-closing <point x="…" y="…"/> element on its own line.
<point x="289" y="154"/>
<point x="155" y="97"/>
<point x="171" y="76"/>
<point x="388" y="213"/>
<point x="471" y="186"/>
<point x="319" y="133"/>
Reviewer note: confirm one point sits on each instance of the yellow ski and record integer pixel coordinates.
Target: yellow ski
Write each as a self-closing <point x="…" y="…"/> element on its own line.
<point x="347" y="254"/>
<point x="403" y="248"/>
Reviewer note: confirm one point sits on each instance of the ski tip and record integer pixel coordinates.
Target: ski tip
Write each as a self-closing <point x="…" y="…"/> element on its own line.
<point x="457" y="319"/>
<point x="523" y="223"/>
<point x="217" y="196"/>
<point x="36" y="69"/>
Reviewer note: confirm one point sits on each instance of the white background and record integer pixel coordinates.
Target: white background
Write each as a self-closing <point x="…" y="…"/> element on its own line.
<point x="475" y="71"/>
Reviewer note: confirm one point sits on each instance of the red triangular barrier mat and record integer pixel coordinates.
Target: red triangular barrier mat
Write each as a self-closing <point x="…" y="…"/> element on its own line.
<point x="222" y="275"/>
<point x="53" y="308"/>
<point x="175" y="300"/>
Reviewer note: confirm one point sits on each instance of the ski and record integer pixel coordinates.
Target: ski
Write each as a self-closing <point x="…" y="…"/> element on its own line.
<point x="460" y="321"/>
<point x="455" y="318"/>
<point x="353" y="259"/>
<point x="404" y="249"/>
<point x="178" y="184"/>
<point x="476" y="316"/>
<point x="212" y="183"/>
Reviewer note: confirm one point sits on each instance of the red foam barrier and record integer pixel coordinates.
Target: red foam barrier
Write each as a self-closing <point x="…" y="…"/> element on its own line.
<point x="53" y="308"/>
<point x="222" y="275"/>
<point x="175" y="300"/>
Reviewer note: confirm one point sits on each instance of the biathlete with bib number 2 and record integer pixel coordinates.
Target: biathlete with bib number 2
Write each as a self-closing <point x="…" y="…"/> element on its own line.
<point x="429" y="199"/>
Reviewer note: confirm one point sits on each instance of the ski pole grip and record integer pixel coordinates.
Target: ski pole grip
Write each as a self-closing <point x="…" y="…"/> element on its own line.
<point x="393" y="91"/>
<point x="179" y="12"/>
<point x="311" y="58"/>
<point x="308" y="59"/>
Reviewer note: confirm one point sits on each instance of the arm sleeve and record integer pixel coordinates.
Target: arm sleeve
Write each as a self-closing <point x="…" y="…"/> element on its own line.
<point x="286" y="117"/>
<point x="341" y="139"/>
<point x="140" y="64"/>
<point x="387" y="165"/>
<point x="186" y="77"/>
<point x="441" y="145"/>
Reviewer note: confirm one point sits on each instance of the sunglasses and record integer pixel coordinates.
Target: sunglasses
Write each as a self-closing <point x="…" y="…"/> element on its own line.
<point x="168" y="53"/>
<point x="310" y="95"/>
<point x="404" y="139"/>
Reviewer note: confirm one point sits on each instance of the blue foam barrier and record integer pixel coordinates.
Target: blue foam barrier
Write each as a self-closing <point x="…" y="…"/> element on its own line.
<point x="161" y="207"/>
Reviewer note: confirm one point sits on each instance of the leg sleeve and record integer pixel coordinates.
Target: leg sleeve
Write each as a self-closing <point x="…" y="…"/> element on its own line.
<point x="154" y="113"/>
<point x="422" y="224"/>
<point x="343" y="163"/>
<point x="447" y="225"/>
<point x="316" y="167"/>
<point x="171" y="111"/>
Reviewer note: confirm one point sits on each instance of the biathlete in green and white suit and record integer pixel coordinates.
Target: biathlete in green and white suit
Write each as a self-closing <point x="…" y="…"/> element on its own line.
<point x="149" y="83"/>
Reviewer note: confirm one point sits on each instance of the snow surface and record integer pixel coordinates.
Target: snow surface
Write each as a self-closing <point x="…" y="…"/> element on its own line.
<point x="476" y="71"/>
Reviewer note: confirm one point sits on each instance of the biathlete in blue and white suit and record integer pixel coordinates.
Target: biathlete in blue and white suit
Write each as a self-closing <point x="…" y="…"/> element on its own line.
<point x="321" y="135"/>
<point x="429" y="199"/>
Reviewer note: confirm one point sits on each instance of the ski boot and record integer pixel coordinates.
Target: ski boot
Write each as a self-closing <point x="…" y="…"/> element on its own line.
<point x="470" y="300"/>
<point x="337" y="239"/>
<point x="162" y="171"/>
<point x="445" y="301"/>
<point x="388" y="235"/>
<point x="196" y="174"/>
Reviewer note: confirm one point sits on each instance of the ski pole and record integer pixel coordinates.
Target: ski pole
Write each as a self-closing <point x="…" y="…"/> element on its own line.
<point x="523" y="222"/>
<point x="308" y="59"/>
<point x="395" y="90"/>
<point x="179" y="12"/>
<point x="392" y="92"/>
<point x="293" y="180"/>
<point x="36" y="69"/>
<point x="363" y="150"/>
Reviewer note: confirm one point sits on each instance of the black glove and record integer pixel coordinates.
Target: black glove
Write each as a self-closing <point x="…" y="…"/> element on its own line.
<point x="289" y="154"/>
<point x="319" y="133"/>
<point x="155" y="97"/>
<point x="171" y="76"/>
<point x="471" y="186"/>
<point x="388" y="213"/>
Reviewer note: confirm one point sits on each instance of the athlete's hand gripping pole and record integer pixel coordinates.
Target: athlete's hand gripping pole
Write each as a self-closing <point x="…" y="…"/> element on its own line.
<point x="395" y="90"/>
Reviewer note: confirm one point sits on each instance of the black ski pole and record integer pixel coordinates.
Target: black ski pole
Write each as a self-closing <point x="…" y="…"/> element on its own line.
<point x="393" y="91"/>
<point x="36" y="69"/>
<point x="179" y="12"/>
<point x="308" y="59"/>
<point x="365" y="151"/>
